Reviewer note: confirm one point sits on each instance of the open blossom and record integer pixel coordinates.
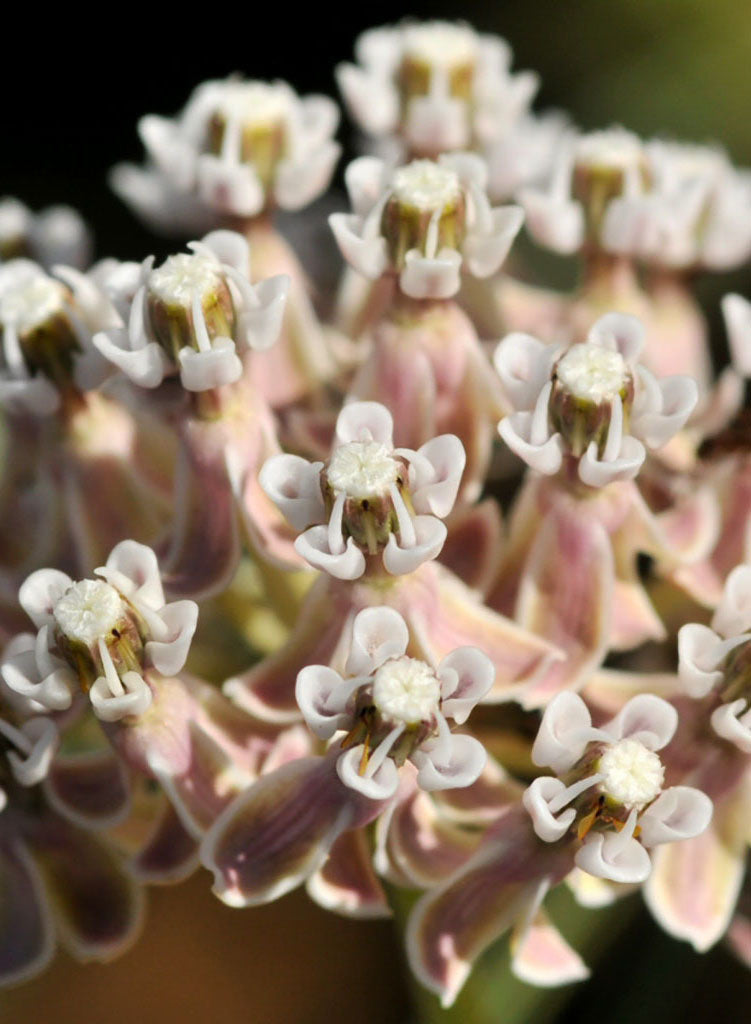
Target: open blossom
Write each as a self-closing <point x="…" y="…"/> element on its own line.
<point x="102" y="635"/>
<point x="55" y="235"/>
<point x="238" y="148"/>
<point x="370" y="499"/>
<point x="590" y="406"/>
<point x="196" y="314"/>
<point x="426" y="222"/>
<point x="47" y="326"/>
<point x="387" y="709"/>
<point x="87" y="900"/>
<point x="691" y="208"/>
<point x="437" y="85"/>
<point x="715" y="660"/>
<point x="608" y="791"/>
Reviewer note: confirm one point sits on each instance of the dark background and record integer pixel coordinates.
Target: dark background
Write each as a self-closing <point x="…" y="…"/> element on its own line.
<point x="73" y="85"/>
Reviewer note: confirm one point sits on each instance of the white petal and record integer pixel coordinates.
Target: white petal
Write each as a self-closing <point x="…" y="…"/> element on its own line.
<point x="364" y="179"/>
<point x="554" y="223"/>
<point x="294" y="485"/>
<point x="40" y="592"/>
<point x="605" y="857"/>
<point x="678" y="813"/>
<point x="133" y="568"/>
<point x="430" y="538"/>
<point x="536" y="799"/>
<point x="33" y="767"/>
<point x="451" y="765"/>
<point x="380" y="786"/>
<point x="564" y="732"/>
<point x="313" y="546"/>
<point x="230" y="187"/>
<point x="145" y="366"/>
<point x="597" y="472"/>
<point x="231" y="248"/>
<point x="314" y="688"/>
<point x="436" y="278"/>
<point x="678" y="398"/>
<point x="299" y="181"/>
<point x="180" y="619"/>
<point x="364" y="421"/>
<point x="737" y="313"/>
<point x="700" y="651"/>
<point x="733" y="614"/>
<point x="136" y="699"/>
<point x="368" y="255"/>
<point x="200" y="371"/>
<point x="260" y="321"/>
<point x="544" y="456"/>
<point x="646" y="718"/>
<point x="619" y="332"/>
<point x="436" y="472"/>
<point x="485" y="252"/>
<point x="523" y="363"/>
<point x="377" y="635"/>
<point x="732" y="723"/>
<point x="372" y="101"/>
<point x="466" y="676"/>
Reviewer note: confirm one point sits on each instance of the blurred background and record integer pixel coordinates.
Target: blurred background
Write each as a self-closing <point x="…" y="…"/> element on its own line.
<point x="73" y="87"/>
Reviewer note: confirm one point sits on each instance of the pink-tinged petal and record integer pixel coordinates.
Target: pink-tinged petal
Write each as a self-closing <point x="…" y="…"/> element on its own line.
<point x="597" y="472"/>
<point x="313" y="547"/>
<point x="346" y="882"/>
<point x="485" y="252"/>
<point x="523" y="364"/>
<point x="138" y="575"/>
<point x="593" y="893"/>
<point x="204" y="546"/>
<point x="27" y="934"/>
<point x="543" y="454"/>
<point x="380" y="785"/>
<point x="364" y="178"/>
<point x="678" y="813"/>
<point x="466" y="676"/>
<point x="737" y="313"/>
<point x="98" y="908"/>
<point x="700" y="651"/>
<point x="453" y="764"/>
<point x="565" y="730"/>
<point x="430" y="534"/>
<point x="733" y="614"/>
<point x="40" y="592"/>
<point x="364" y="421"/>
<point x="168" y="656"/>
<point x="299" y="182"/>
<point x="366" y="254"/>
<point x="613" y="856"/>
<point x="294" y="485"/>
<point x="678" y="398"/>
<point x="542" y="957"/>
<point x="732" y="723"/>
<point x="169" y="151"/>
<point x="474" y="546"/>
<point x="146" y="366"/>
<point x="646" y="718"/>
<point x="692" y="526"/>
<point x="277" y="833"/>
<point x="89" y="789"/>
<point x="619" y="332"/>
<point x="694" y="885"/>
<point x="22" y="676"/>
<point x="377" y="635"/>
<point x="435" y="475"/>
<point x="635" y="620"/>
<point x="316" y="695"/>
<point x="443" y="614"/>
<point x="201" y="371"/>
<point x="134" y="700"/>
<point x="565" y="596"/>
<point x="537" y="799"/>
<point x="169" y="853"/>
<point x="261" y="320"/>
<point x="453" y="924"/>
<point x="268" y="689"/>
<point x="229" y="247"/>
<point x="553" y="222"/>
<point x="425" y="278"/>
<point x="232" y="188"/>
<point x="608" y="690"/>
<point x="372" y="102"/>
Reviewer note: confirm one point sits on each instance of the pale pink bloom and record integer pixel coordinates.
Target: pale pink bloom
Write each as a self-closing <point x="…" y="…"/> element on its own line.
<point x="434" y="85"/>
<point x="425" y="222"/>
<point x="237" y="148"/>
<point x="57" y="235"/>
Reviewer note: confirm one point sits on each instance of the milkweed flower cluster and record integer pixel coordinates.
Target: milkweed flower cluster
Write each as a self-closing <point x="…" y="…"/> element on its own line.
<point x="260" y="610"/>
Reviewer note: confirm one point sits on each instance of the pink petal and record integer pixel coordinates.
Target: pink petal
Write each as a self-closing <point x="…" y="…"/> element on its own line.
<point x="346" y="882"/>
<point x="543" y="958"/>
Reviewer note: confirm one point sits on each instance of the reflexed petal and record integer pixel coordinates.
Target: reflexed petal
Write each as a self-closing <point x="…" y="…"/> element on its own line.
<point x="313" y="546"/>
<point x="619" y="332"/>
<point x="733" y="615"/>
<point x="542" y="957"/>
<point x="437" y="278"/>
<point x="430" y="535"/>
<point x="436" y="474"/>
<point x="299" y="182"/>
<point x="377" y="634"/>
<point x="346" y="882"/>
<point x="98" y="909"/>
<point x="646" y="718"/>
<point x="474" y="546"/>
<point x="452" y="765"/>
<point x="486" y="252"/>
<point x="315" y="694"/>
<point x="564" y="732"/>
<point x="537" y="799"/>
<point x="700" y="651"/>
<point x="139" y="565"/>
<point x="40" y="592"/>
<point x="229" y="187"/>
<point x="678" y="813"/>
<point x="614" y="857"/>
<point x="277" y="833"/>
<point x="27" y="936"/>
<point x="145" y="366"/>
<point x="523" y="363"/>
<point x="200" y="371"/>
<point x="168" y="656"/>
<point x="367" y="255"/>
<point x="466" y="676"/>
<point x="597" y="472"/>
<point x="381" y="785"/>
<point x="169" y="853"/>
<point x="552" y="222"/>
<point x="694" y="885"/>
<point x="89" y="789"/>
<point x="731" y="722"/>
<point x="362" y="421"/>
<point x="294" y="485"/>
<point x="545" y="456"/>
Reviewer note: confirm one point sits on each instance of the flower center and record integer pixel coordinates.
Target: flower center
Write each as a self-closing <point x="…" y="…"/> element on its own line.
<point x="592" y="373"/>
<point x="426" y="186"/>
<point x="362" y="469"/>
<point x="254" y="104"/>
<point x="614" y="150"/>
<point x="440" y="44"/>
<point x="631" y="774"/>
<point x="88" y="610"/>
<point x="32" y="303"/>
<point x="406" y="690"/>
<point x="181" y="276"/>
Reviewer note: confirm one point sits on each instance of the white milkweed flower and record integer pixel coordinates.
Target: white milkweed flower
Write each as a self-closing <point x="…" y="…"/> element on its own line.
<point x="590" y="172"/>
<point x="100" y="636"/>
<point x="369" y="499"/>
<point x="716" y="660"/>
<point x="28" y="750"/>
<point x="591" y="406"/>
<point x="439" y="85"/>
<point x="692" y="208"/>
<point x="47" y="326"/>
<point x="393" y="708"/>
<point x="425" y="222"/>
<point x="55" y="235"/>
<point x="607" y="792"/>
<point x="238" y="148"/>
<point x="196" y="313"/>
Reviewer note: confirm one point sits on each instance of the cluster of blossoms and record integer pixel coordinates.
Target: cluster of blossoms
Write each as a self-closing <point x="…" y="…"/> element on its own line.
<point x="340" y="717"/>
